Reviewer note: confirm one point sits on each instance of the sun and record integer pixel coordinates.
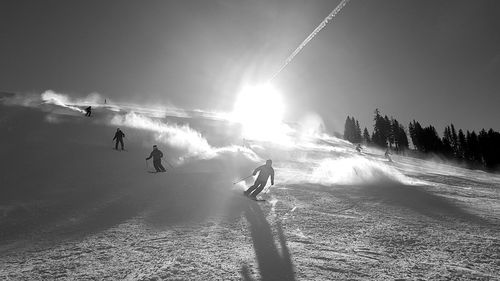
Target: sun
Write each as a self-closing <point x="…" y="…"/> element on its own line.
<point x="260" y="111"/>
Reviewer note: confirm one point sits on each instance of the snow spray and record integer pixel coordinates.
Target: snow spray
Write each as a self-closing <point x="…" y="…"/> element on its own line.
<point x="311" y="36"/>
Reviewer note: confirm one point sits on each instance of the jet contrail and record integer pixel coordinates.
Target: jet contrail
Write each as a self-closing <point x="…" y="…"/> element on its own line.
<point x="311" y="36"/>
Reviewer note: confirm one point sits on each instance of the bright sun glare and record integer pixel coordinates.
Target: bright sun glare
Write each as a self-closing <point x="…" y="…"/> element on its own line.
<point x="260" y="111"/>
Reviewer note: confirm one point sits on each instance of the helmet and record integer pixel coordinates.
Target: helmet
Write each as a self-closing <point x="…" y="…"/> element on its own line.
<point x="269" y="162"/>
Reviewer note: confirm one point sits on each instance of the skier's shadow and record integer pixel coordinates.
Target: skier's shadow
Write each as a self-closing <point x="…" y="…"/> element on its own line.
<point x="274" y="262"/>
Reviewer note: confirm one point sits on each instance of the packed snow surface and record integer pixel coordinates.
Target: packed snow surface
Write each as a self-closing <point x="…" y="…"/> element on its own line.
<point x="73" y="208"/>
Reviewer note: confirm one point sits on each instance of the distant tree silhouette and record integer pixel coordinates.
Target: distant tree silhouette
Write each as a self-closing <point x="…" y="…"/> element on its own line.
<point x="400" y="136"/>
<point x="454" y="140"/>
<point x="473" y="145"/>
<point x="366" y="136"/>
<point x="357" y="133"/>
<point x="469" y="148"/>
<point x="462" y="144"/>
<point x="389" y="132"/>
<point x="349" y="129"/>
<point x="416" y="134"/>
<point x="489" y="147"/>
<point x="379" y="136"/>
<point x="447" y="141"/>
<point x="431" y="140"/>
<point x="352" y="131"/>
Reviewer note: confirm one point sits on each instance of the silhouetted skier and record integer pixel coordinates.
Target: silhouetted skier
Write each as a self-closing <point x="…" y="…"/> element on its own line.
<point x="264" y="172"/>
<point x="119" y="135"/>
<point x="358" y="148"/>
<point x="88" y="111"/>
<point x="388" y="155"/>
<point x="156" y="154"/>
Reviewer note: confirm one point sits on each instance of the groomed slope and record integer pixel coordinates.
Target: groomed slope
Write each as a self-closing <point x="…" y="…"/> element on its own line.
<point x="74" y="208"/>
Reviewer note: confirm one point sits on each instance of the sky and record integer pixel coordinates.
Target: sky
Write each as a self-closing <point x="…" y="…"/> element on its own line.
<point x="437" y="62"/>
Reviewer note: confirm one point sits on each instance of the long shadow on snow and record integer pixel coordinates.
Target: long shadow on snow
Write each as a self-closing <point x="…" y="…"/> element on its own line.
<point x="415" y="198"/>
<point x="274" y="262"/>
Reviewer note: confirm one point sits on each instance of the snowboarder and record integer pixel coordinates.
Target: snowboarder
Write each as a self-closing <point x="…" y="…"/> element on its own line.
<point x="156" y="154"/>
<point x="119" y="135"/>
<point x="264" y="172"/>
<point x="388" y="155"/>
<point x="88" y="111"/>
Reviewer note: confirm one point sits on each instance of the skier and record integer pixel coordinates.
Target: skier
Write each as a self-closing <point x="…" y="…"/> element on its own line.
<point x="358" y="148"/>
<point x="264" y="172"/>
<point x="388" y="155"/>
<point x="88" y="111"/>
<point x="119" y="135"/>
<point x="157" y="155"/>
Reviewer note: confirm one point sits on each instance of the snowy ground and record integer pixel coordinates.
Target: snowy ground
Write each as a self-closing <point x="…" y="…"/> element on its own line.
<point x="73" y="208"/>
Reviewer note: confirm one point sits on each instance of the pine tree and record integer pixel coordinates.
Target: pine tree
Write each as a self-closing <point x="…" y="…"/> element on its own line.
<point x="447" y="148"/>
<point x="401" y="137"/>
<point x="473" y="144"/>
<point x="357" y="133"/>
<point x="348" y="129"/>
<point x="467" y="148"/>
<point x="454" y="140"/>
<point x="379" y="136"/>
<point x="416" y="135"/>
<point x="366" y="136"/>
<point x="462" y="144"/>
<point x="387" y="131"/>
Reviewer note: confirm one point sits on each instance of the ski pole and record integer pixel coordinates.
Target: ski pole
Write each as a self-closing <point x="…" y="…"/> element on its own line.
<point x="242" y="179"/>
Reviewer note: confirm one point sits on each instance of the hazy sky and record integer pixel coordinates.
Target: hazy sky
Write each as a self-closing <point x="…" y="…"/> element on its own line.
<point x="433" y="61"/>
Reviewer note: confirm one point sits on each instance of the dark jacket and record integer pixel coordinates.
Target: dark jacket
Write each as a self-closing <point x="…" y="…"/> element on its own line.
<point x="264" y="173"/>
<point x="156" y="154"/>
<point x="119" y="135"/>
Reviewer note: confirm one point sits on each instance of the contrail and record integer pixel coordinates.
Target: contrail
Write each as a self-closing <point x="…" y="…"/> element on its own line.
<point x="311" y="36"/>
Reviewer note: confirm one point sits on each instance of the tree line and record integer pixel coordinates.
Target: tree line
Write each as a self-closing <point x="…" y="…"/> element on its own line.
<point x="473" y="149"/>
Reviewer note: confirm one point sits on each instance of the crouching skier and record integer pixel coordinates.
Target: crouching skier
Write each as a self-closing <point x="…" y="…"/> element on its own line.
<point x="156" y="154"/>
<point x="264" y="172"/>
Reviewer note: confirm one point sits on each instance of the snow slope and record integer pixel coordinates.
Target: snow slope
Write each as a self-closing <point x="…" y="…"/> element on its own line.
<point x="73" y="208"/>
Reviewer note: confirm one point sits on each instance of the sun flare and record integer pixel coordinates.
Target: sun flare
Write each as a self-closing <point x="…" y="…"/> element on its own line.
<point x="260" y="111"/>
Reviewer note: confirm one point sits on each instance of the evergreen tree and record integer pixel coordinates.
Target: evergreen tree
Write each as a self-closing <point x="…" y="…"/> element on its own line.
<point x="357" y="133"/>
<point x="416" y="135"/>
<point x="401" y="137"/>
<point x="447" y="141"/>
<point x="473" y="147"/>
<point x="348" y="132"/>
<point x="431" y="140"/>
<point x="366" y="136"/>
<point x="482" y="140"/>
<point x="454" y="140"/>
<point x="467" y="148"/>
<point x="352" y="130"/>
<point x="379" y="136"/>
<point x="387" y="131"/>
<point x="462" y="144"/>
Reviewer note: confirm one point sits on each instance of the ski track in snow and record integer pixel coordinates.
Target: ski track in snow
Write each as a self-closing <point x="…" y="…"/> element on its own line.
<point x="96" y="214"/>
